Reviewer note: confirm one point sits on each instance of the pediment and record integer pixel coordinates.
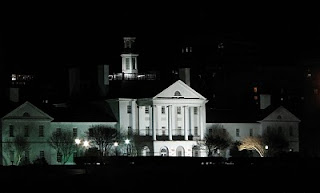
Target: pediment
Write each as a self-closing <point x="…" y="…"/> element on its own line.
<point x="281" y="114"/>
<point x="179" y="89"/>
<point x="27" y="111"/>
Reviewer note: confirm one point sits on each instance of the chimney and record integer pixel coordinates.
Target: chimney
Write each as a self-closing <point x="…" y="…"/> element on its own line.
<point x="74" y="81"/>
<point x="103" y="79"/>
<point x="184" y="75"/>
<point x="265" y="101"/>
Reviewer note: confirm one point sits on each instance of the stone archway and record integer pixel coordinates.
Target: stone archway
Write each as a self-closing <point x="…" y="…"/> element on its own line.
<point x="180" y="151"/>
<point x="164" y="151"/>
<point x="145" y="151"/>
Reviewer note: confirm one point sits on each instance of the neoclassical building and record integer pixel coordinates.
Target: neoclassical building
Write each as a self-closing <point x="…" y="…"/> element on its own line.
<point x="167" y="120"/>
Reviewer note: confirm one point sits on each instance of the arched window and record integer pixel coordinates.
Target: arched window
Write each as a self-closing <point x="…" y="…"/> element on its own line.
<point x="164" y="151"/>
<point x="180" y="151"/>
<point x="145" y="151"/>
<point x="177" y="93"/>
<point x="26" y="114"/>
<point x="279" y="117"/>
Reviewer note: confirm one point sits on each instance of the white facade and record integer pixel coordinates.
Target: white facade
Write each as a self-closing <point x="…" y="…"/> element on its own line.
<point x="172" y="123"/>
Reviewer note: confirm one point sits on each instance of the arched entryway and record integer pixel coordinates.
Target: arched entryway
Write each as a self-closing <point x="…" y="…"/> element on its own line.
<point x="145" y="151"/>
<point x="180" y="151"/>
<point x="164" y="151"/>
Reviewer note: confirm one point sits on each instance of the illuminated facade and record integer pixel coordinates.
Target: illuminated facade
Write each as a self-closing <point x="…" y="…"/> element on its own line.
<point x="172" y="122"/>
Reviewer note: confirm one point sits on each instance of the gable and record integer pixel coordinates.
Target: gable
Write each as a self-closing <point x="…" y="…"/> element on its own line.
<point x="27" y="111"/>
<point x="281" y="114"/>
<point x="179" y="90"/>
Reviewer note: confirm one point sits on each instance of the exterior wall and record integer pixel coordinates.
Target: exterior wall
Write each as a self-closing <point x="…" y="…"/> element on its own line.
<point x="231" y="128"/>
<point x="292" y="136"/>
<point x="82" y="129"/>
<point x="172" y="147"/>
<point x="38" y="143"/>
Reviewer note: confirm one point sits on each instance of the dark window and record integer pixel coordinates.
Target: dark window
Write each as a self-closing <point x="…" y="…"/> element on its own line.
<point x="11" y="133"/>
<point x="163" y="110"/>
<point x="41" y="131"/>
<point x="75" y="132"/>
<point x="238" y="132"/>
<point x="59" y="157"/>
<point x="26" y="131"/>
<point x="147" y="110"/>
<point x="129" y="109"/>
<point x="41" y="154"/>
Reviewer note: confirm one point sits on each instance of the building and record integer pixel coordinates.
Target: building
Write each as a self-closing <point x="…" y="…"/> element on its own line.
<point x="167" y="117"/>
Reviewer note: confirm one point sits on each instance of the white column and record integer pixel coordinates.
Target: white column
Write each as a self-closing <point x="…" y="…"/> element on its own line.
<point x="134" y="115"/>
<point x="141" y="122"/>
<point x="201" y="119"/>
<point x="154" y="134"/>
<point x="192" y="117"/>
<point x="186" y="122"/>
<point x="173" y="118"/>
<point x="170" y="121"/>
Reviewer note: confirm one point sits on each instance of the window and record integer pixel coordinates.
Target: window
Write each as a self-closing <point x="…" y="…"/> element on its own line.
<point x="11" y="134"/>
<point x="41" y="154"/>
<point x="75" y="132"/>
<point x="12" y="156"/>
<point x="178" y="110"/>
<point x="133" y="63"/>
<point x="196" y="131"/>
<point x="129" y="109"/>
<point x="251" y="132"/>
<point x="195" y="110"/>
<point x="279" y="117"/>
<point x="147" y="130"/>
<point x="255" y="89"/>
<point x="163" y="110"/>
<point x="59" y="157"/>
<point x="315" y="91"/>
<point x="26" y="155"/>
<point x="290" y="131"/>
<point x="41" y="131"/>
<point x="210" y="131"/>
<point x="146" y="110"/>
<point x="127" y="63"/>
<point x="91" y="132"/>
<point x="130" y="131"/>
<point x="238" y="132"/>
<point x="26" y="131"/>
<point x="25" y="114"/>
<point x="279" y="130"/>
<point x="177" y="93"/>
<point x="163" y="130"/>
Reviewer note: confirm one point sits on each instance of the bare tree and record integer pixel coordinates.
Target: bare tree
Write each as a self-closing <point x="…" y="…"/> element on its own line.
<point x="253" y="143"/>
<point x="103" y="136"/>
<point x="217" y="139"/>
<point x="63" y="142"/>
<point x="19" y="146"/>
<point x="276" y="141"/>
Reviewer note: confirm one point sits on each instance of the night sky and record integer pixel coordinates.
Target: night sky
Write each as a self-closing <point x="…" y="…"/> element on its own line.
<point x="56" y="35"/>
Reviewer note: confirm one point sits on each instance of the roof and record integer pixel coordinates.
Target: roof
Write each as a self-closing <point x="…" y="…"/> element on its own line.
<point x="85" y="111"/>
<point x="137" y="88"/>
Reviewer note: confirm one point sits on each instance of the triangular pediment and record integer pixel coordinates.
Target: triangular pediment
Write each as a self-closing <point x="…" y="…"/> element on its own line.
<point x="281" y="114"/>
<point x="179" y="89"/>
<point x="28" y="111"/>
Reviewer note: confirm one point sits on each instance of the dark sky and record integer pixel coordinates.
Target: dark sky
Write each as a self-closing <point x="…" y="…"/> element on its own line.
<point x="79" y="33"/>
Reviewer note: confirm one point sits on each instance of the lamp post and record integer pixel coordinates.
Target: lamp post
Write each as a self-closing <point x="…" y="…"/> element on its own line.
<point x="266" y="147"/>
<point x="115" y="144"/>
<point x="127" y="141"/>
<point x="77" y="141"/>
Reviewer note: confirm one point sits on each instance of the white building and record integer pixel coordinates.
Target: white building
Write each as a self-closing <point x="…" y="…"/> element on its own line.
<point x="171" y="122"/>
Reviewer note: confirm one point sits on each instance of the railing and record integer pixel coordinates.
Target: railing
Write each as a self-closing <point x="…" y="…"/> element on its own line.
<point x="134" y="76"/>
